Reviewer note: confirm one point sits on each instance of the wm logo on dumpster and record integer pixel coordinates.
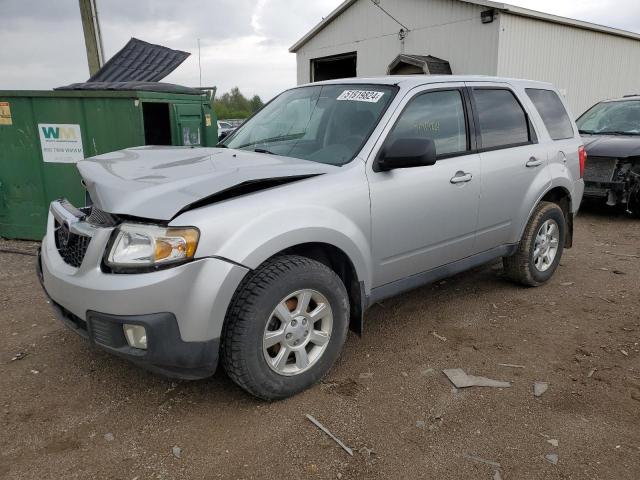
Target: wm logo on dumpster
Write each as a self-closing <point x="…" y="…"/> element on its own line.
<point x="59" y="133"/>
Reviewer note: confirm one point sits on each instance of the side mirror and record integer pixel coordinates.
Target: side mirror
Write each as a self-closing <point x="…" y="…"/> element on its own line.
<point x="407" y="153"/>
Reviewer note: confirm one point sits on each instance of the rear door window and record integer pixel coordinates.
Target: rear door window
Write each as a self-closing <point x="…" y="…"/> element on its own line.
<point x="502" y="121"/>
<point x="553" y="113"/>
<point x="438" y="115"/>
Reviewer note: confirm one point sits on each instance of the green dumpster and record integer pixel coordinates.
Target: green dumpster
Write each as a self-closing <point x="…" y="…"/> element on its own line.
<point x="44" y="133"/>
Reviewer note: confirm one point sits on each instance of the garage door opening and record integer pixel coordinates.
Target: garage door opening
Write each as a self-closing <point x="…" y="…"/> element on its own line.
<point x="335" y="66"/>
<point x="157" y="123"/>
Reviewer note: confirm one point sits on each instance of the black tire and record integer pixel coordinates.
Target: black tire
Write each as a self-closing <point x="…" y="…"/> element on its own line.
<point x="520" y="267"/>
<point x="248" y="315"/>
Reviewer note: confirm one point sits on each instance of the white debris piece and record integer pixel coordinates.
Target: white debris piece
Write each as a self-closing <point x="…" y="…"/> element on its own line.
<point x="539" y="388"/>
<point x="439" y="337"/>
<point x="333" y="437"/>
<point x="552" y="458"/>
<point x="461" y="380"/>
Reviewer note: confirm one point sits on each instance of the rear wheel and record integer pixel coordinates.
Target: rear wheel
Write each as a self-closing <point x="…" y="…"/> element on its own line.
<point x="285" y="327"/>
<point x="540" y="248"/>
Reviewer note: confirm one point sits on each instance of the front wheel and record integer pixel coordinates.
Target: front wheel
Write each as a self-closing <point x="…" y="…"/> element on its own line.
<point x="540" y="248"/>
<point x="285" y="327"/>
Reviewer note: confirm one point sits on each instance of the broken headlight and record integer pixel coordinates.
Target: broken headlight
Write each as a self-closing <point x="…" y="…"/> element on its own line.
<point x="140" y="246"/>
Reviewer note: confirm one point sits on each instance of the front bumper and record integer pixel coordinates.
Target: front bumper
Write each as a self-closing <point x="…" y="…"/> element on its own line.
<point x="182" y="308"/>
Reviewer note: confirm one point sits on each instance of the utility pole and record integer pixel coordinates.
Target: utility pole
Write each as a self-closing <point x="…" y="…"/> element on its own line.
<point x="92" y="36"/>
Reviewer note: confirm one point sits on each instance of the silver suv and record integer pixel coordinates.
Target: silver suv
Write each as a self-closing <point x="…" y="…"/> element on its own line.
<point x="263" y="252"/>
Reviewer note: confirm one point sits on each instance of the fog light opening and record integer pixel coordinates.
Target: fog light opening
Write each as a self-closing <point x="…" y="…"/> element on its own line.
<point x="136" y="336"/>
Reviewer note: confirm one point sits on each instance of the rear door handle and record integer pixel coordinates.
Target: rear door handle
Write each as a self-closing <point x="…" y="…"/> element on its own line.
<point x="533" y="162"/>
<point x="461" y="177"/>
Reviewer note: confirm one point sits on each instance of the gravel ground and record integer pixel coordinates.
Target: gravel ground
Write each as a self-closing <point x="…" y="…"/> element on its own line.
<point x="68" y="411"/>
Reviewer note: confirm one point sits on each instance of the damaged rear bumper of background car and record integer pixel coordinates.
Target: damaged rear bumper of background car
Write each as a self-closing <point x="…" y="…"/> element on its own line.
<point x="181" y="309"/>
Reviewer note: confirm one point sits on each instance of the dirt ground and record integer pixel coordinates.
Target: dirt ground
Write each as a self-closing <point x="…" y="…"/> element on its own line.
<point x="68" y="411"/>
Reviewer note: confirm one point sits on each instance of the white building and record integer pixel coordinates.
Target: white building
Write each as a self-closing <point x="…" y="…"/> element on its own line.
<point x="585" y="61"/>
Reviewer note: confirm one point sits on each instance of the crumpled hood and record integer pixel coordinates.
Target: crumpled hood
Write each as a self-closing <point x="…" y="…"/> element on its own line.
<point x="158" y="182"/>
<point x="612" y="146"/>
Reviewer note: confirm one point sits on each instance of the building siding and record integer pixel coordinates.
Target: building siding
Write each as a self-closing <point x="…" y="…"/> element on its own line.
<point x="448" y="29"/>
<point x="589" y="66"/>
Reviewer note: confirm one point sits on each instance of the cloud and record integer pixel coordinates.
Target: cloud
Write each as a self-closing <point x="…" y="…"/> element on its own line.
<point x="244" y="43"/>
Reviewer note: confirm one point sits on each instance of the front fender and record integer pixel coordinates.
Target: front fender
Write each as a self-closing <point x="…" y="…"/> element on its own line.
<point x="274" y="231"/>
<point x="331" y="209"/>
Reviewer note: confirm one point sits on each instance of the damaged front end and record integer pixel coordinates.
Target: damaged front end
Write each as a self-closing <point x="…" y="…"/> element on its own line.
<point x="615" y="180"/>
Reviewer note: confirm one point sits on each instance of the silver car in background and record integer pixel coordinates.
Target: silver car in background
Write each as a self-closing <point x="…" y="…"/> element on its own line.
<point x="265" y="251"/>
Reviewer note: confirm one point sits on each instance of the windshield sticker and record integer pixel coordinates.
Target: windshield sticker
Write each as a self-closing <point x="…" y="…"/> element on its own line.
<point x="361" y="96"/>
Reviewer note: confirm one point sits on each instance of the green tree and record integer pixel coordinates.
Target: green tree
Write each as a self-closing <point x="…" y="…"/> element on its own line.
<point x="233" y="104"/>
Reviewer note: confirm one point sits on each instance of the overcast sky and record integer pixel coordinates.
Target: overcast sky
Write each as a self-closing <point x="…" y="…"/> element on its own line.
<point x="244" y="42"/>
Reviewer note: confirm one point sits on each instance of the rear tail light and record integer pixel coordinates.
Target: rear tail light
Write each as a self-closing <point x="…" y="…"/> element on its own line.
<point x="582" y="155"/>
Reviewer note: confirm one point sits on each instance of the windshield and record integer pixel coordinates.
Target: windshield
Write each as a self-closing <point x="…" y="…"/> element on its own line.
<point x="323" y="123"/>
<point x="621" y="118"/>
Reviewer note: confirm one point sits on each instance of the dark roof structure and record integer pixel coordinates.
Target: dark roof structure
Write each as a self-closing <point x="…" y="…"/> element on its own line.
<point x="429" y="64"/>
<point x="140" y="61"/>
<point x="138" y="66"/>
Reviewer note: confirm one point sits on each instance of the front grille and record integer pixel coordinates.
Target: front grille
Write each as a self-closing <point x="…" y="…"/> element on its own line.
<point x="600" y="169"/>
<point x="100" y="219"/>
<point x="71" y="246"/>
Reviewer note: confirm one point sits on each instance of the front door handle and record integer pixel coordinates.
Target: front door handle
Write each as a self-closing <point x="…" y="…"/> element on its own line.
<point x="461" y="177"/>
<point x="533" y="162"/>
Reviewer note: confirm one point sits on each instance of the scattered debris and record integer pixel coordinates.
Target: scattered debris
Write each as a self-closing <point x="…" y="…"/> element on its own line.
<point x="35" y="372"/>
<point x="428" y="372"/>
<point x="439" y="337"/>
<point x="19" y="356"/>
<point x="619" y="272"/>
<point x="591" y="372"/>
<point x="366" y="452"/>
<point x="539" y="388"/>
<point x="404" y="374"/>
<point x="624" y="352"/>
<point x="331" y="435"/>
<point x="496" y="475"/>
<point x="553" y="442"/>
<point x="635" y="396"/>
<point x="420" y="424"/>
<point x="366" y="375"/>
<point x="461" y="380"/>
<point x="567" y="284"/>
<point x="481" y="460"/>
<point x="552" y="458"/>
<point x="604" y="269"/>
<point x="583" y="351"/>
<point x="510" y="365"/>
<point x="606" y="299"/>
<point x="623" y="254"/>
<point x="109" y="437"/>
<point x="177" y="451"/>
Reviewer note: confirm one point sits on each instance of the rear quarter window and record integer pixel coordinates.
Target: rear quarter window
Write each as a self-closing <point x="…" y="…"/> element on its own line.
<point x="502" y="121"/>
<point x="553" y="113"/>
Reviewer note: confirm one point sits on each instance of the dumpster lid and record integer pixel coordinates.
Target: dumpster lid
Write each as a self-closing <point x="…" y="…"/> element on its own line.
<point x="133" y="86"/>
<point x="140" y="61"/>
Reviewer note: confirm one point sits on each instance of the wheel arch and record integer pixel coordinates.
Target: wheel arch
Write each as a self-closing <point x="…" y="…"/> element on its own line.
<point x="561" y="196"/>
